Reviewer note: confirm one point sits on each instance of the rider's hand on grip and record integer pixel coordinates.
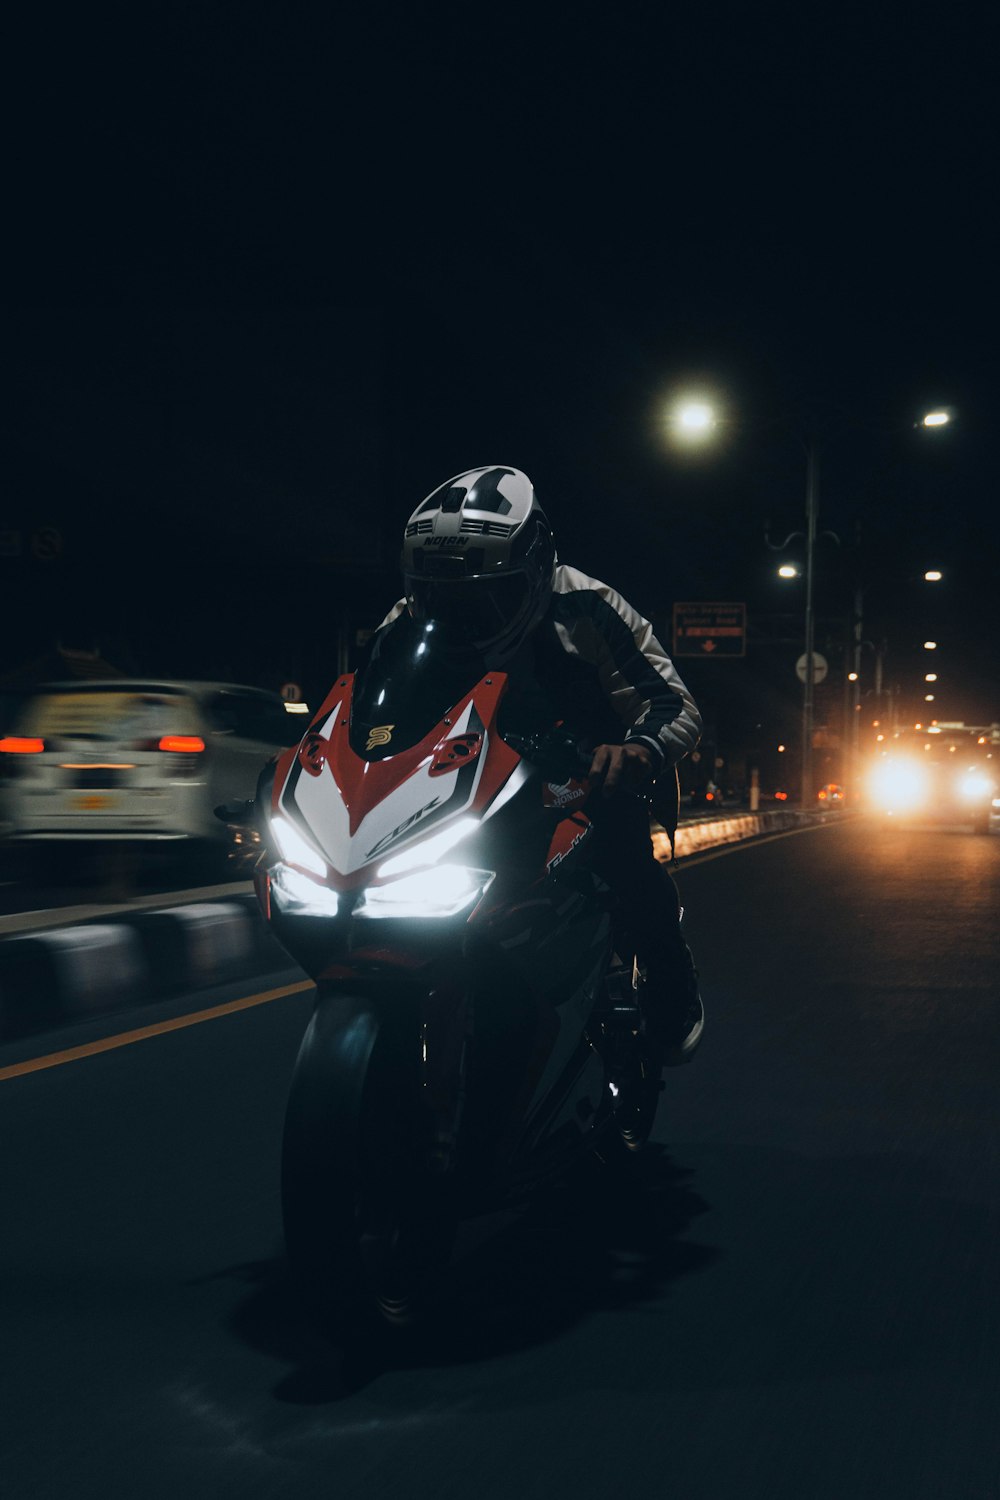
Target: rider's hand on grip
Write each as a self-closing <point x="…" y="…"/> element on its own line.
<point x="626" y="767"/>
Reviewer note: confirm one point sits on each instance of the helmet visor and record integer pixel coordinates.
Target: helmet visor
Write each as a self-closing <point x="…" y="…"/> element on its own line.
<point x="480" y="610"/>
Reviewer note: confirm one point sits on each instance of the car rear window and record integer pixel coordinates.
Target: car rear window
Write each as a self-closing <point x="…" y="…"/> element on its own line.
<point x="249" y="717"/>
<point x="115" y="714"/>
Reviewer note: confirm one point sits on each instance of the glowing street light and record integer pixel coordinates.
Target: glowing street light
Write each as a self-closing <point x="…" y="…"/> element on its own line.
<point x="692" y="420"/>
<point x="930" y="677"/>
<point x="696" y="416"/>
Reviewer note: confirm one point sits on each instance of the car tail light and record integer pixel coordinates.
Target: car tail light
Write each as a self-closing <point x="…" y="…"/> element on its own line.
<point x="13" y="744"/>
<point x="182" y="744"/>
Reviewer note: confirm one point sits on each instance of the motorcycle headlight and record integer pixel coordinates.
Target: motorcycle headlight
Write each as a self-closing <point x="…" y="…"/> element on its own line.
<point x="294" y="847"/>
<point x="297" y="895"/>
<point x="443" y="891"/>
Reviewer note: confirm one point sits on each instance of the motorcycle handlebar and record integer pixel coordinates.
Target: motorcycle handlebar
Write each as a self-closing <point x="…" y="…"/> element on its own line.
<point x="557" y="755"/>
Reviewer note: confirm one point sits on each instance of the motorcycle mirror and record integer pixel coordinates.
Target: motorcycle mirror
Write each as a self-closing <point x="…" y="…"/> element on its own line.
<point x="241" y="813"/>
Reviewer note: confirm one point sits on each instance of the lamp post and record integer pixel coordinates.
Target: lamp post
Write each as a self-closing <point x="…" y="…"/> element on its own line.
<point x="692" y="422"/>
<point x="812" y="512"/>
<point x="808" y="662"/>
<point x="932" y="419"/>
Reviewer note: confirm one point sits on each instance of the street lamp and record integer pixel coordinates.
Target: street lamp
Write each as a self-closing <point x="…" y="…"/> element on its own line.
<point x="692" y="420"/>
<point x="788" y="571"/>
<point x="696" y="417"/>
<point x="932" y="419"/>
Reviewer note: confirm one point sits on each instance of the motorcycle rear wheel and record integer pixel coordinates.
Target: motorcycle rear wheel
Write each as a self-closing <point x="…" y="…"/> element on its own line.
<point x="366" y="1225"/>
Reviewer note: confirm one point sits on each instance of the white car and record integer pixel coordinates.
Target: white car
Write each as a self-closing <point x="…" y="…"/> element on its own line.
<point x="945" y="775"/>
<point x="138" y="761"/>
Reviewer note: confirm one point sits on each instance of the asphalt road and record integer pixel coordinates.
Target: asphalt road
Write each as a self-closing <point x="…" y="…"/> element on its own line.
<point x="797" y="1299"/>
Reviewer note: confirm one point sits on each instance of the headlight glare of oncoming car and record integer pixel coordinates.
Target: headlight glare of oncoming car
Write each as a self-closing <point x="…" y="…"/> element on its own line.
<point x="899" y="785"/>
<point x="974" y="786"/>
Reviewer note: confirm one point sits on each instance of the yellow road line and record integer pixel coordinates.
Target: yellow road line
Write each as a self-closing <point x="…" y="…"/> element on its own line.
<point x="126" y="1038"/>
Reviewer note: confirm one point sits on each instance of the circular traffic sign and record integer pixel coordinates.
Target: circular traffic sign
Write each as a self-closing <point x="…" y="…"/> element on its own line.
<point x="820" y="667"/>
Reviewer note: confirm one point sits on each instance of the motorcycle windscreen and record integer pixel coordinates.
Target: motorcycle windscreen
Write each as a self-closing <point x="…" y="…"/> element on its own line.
<point x="414" y="674"/>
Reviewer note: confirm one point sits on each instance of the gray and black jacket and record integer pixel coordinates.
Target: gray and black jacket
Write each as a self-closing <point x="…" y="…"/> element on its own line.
<point x="617" y="676"/>
<point x="603" y="672"/>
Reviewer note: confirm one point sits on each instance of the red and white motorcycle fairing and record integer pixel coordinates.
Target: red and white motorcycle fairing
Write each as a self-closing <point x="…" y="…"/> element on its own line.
<point x="485" y="1016"/>
<point x="377" y="807"/>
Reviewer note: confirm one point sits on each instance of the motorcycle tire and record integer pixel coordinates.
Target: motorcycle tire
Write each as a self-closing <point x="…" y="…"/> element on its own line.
<point x="366" y="1226"/>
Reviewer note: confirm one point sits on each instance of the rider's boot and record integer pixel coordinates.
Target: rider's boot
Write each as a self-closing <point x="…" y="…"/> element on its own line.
<point x="673" y="1013"/>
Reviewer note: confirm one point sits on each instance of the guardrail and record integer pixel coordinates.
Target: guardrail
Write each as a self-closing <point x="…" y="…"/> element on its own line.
<point x="693" y="837"/>
<point x="58" y="975"/>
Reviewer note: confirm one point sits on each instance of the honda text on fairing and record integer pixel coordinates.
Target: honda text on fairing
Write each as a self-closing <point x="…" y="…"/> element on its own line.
<point x="477" y="1005"/>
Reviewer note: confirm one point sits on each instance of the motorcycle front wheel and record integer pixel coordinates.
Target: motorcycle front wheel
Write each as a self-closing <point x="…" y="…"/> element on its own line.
<point x="367" y="1225"/>
<point x="636" y="1103"/>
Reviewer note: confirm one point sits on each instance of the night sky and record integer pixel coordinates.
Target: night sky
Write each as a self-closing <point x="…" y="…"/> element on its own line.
<point x="276" y="279"/>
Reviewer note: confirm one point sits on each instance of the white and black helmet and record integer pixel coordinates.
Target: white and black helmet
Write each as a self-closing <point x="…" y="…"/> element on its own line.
<point x="478" y="559"/>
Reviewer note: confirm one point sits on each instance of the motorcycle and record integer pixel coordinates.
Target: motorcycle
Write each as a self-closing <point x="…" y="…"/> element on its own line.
<point x="477" y="1020"/>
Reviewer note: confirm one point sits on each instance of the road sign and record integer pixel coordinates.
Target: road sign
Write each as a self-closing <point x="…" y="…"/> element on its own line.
<point x="291" y="692"/>
<point x="710" y="629"/>
<point x="46" y="543"/>
<point x="820" y="667"/>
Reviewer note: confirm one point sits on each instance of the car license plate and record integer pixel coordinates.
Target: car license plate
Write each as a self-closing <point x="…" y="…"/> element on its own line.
<point x="91" y="802"/>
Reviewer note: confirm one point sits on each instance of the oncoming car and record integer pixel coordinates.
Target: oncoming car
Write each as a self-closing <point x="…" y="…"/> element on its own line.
<point x="137" y="762"/>
<point x="946" y="774"/>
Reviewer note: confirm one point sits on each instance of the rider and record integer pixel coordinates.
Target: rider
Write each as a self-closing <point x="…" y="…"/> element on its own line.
<point x="479" y="562"/>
